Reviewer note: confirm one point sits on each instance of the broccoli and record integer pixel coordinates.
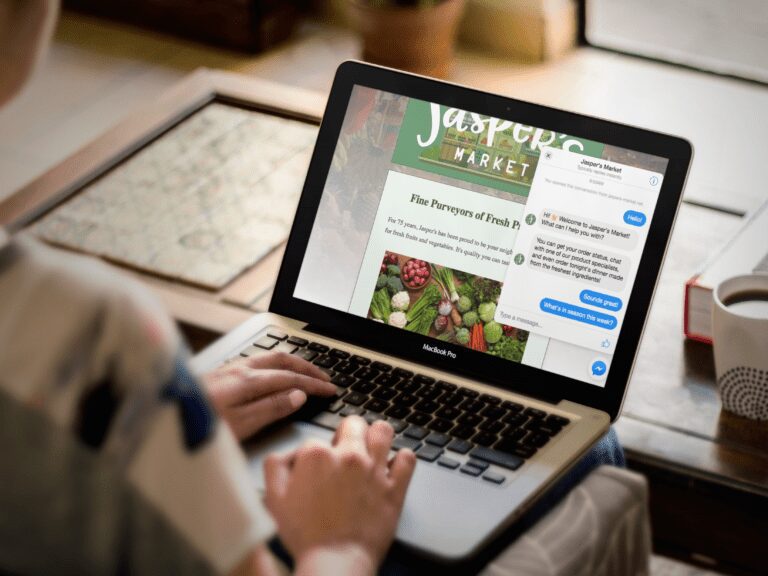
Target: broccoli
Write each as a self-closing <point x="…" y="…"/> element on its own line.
<point x="394" y="285"/>
<point x="464" y="304"/>
<point x="462" y="336"/>
<point x="381" y="281"/>
<point x="393" y="270"/>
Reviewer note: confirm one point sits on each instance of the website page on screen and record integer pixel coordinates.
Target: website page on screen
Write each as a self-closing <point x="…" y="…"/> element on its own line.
<point x="486" y="233"/>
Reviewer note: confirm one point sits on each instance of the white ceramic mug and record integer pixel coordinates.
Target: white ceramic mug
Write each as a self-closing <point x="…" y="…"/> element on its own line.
<point x="740" y="339"/>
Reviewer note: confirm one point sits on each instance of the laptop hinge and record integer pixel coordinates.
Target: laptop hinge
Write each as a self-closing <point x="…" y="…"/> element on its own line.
<point x="535" y="392"/>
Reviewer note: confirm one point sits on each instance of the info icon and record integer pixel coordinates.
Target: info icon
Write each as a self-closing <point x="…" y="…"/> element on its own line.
<point x="530" y="219"/>
<point x="519" y="259"/>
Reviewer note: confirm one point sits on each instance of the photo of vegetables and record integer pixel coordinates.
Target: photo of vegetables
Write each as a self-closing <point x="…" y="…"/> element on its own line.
<point x="446" y="304"/>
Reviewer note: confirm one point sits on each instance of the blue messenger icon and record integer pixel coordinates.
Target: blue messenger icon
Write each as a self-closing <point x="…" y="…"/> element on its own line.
<point x="598" y="368"/>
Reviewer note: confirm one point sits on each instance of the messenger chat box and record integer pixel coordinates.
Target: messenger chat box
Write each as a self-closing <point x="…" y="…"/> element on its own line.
<point x="575" y="257"/>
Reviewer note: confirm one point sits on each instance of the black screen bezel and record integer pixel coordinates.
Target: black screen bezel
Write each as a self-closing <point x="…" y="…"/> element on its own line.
<point x="403" y="344"/>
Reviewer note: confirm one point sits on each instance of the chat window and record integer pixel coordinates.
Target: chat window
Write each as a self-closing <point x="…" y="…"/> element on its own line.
<point x="575" y="257"/>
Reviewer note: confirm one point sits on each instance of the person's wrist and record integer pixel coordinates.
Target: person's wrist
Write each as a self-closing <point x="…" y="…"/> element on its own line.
<point x="336" y="559"/>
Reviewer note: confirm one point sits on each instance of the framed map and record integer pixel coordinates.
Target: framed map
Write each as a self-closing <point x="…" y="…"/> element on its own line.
<point x="201" y="203"/>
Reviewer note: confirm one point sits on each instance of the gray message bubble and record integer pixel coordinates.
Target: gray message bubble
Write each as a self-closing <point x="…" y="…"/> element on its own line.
<point x="567" y="259"/>
<point x="620" y="237"/>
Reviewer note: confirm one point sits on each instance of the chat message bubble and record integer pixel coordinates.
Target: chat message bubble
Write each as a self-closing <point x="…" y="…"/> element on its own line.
<point x="579" y="262"/>
<point x="610" y="235"/>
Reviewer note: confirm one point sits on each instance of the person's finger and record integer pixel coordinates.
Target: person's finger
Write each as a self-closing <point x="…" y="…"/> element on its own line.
<point x="350" y="435"/>
<point x="276" y="474"/>
<point x="401" y="470"/>
<point x="259" y="383"/>
<point x="260" y="413"/>
<point x="379" y="440"/>
<point x="283" y="361"/>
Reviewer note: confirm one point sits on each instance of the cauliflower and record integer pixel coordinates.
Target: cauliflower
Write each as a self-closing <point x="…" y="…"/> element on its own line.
<point x="470" y="319"/>
<point x="401" y="301"/>
<point x="492" y="332"/>
<point x="464" y="304"/>
<point x="397" y="319"/>
<point x="487" y="311"/>
<point x="462" y="336"/>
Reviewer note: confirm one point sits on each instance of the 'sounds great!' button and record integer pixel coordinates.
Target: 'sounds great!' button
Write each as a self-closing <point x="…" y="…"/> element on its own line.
<point x="600" y="300"/>
<point x="578" y="313"/>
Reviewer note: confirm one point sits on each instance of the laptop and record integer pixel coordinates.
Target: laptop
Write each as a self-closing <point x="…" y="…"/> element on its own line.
<point x="477" y="271"/>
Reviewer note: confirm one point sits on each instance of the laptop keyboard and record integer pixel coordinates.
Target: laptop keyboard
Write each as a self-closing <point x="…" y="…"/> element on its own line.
<point x="455" y="427"/>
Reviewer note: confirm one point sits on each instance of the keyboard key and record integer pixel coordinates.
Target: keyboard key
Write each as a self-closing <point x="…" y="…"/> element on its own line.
<point x="352" y="411"/>
<point x="450" y="463"/>
<point x="402" y="373"/>
<point x="266" y="343"/>
<point x="399" y="412"/>
<point x="451" y="399"/>
<point x="340" y="354"/>
<point x="416" y="432"/>
<point x="381" y="366"/>
<point x="460" y="446"/>
<point x="404" y="442"/>
<point x="471" y="470"/>
<point x="327" y="420"/>
<point x="440" y="425"/>
<point x="478" y="464"/>
<point x="492" y="426"/>
<point x="286" y="347"/>
<point x="371" y="417"/>
<point x="397" y="425"/>
<point x="298" y="341"/>
<point x="364" y="386"/>
<point x="317" y="347"/>
<point x="534" y="413"/>
<point x="307" y="354"/>
<point x="423" y="379"/>
<point x="251" y="351"/>
<point x="447" y="385"/>
<point x="408" y="386"/>
<point x="346" y="367"/>
<point x="366" y="373"/>
<point x="494" y="412"/>
<point x="360" y="360"/>
<point x="547" y="429"/>
<point x="516" y="420"/>
<point x="387" y="379"/>
<point x="326" y="361"/>
<point x="470" y="419"/>
<point x="426" y="406"/>
<point x="502" y="459"/>
<point x="484" y="438"/>
<point x="449" y="413"/>
<point x="376" y="405"/>
<point x="468" y="393"/>
<point x="536" y="440"/>
<point x="463" y="432"/>
<point x="405" y="400"/>
<point x="472" y="405"/>
<point x="494" y="477"/>
<point x="438" y="439"/>
<point x="516" y="434"/>
<point x="488" y="399"/>
<point x="355" y="398"/>
<point x="429" y="392"/>
<point x="384" y="393"/>
<point x="277" y="334"/>
<point x="429" y="453"/>
<point x="557" y="420"/>
<point x="336" y="406"/>
<point x="419" y="418"/>
<point x="512" y="406"/>
<point x="511" y="446"/>
<point x="343" y="380"/>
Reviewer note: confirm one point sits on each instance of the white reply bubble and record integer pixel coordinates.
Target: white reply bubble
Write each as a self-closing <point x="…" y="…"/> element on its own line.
<point x="567" y="259"/>
<point x="579" y="227"/>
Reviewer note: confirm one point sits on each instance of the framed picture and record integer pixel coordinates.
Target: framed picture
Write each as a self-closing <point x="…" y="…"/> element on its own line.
<point x="194" y="195"/>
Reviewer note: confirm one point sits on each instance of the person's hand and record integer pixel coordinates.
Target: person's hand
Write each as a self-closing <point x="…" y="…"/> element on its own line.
<point x="337" y="507"/>
<point x="254" y="392"/>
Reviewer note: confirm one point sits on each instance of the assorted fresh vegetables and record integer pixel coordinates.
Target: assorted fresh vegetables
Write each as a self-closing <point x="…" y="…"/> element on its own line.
<point x="426" y="299"/>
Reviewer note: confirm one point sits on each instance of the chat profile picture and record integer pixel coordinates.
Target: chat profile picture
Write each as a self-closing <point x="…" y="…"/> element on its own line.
<point x="530" y="219"/>
<point x="598" y="368"/>
<point x="519" y="259"/>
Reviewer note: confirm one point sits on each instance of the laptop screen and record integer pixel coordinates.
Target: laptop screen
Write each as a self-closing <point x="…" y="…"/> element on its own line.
<point x="486" y="233"/>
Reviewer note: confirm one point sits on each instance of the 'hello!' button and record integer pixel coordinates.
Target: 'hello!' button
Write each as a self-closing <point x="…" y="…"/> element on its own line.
<point x="634" y="218"/>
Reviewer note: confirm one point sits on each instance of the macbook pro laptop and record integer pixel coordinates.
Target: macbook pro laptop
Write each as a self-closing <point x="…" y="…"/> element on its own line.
<point x="477" y="271"/>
